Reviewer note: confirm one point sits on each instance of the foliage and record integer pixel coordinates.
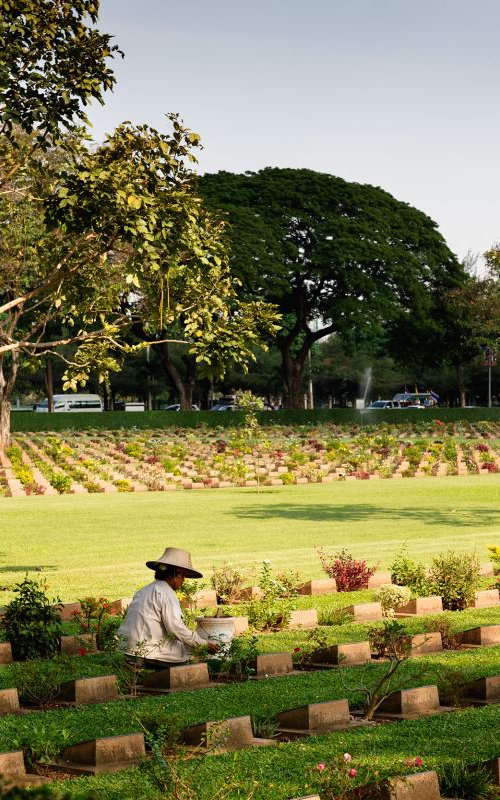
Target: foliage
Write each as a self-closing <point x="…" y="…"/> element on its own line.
<point x="391" y="596"/>
<point x="349" y="573"/>
<point x="296" y="241"/>
<point x="31" y="623"/>
<point x="455" y="577"/>
<point x="441" y="624"/>
<point x="407" y="572"/>
<point x="227" y="582"/>
<point x="92" y="619"/>
<point x="272" y="612"/>
<point x="391" y="642"/>
<point x="494" y="550"/>
<point x="461" y="780"/>
<point x="238" y="661"/>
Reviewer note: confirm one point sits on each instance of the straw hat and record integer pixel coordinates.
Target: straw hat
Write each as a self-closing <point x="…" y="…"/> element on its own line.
<point x="175" y="557"/>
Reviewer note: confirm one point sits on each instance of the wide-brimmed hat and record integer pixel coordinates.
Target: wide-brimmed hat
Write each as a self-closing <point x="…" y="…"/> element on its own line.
<point x="175" y="557"/>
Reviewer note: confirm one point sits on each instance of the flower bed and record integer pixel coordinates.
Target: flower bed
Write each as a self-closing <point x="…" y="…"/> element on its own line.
<point x="214" y="458"/>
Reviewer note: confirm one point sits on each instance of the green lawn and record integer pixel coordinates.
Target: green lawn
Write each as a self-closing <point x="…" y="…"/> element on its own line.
<point x="97" y="544"/>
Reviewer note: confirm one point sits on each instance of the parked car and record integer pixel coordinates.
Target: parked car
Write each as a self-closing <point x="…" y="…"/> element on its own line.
<point x="72" y="402"/>
<point x="223" y="407"/>
<point x="177" y="407"/>
<point x="382" y="405"/>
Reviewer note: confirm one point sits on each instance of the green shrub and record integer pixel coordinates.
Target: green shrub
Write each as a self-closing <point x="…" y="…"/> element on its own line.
<point x="32" y="624"/>
<point x="227" y="582"/>
<point x="390" y="597"/>
<point x="406" y="572"/>
<point x="61" y="482"/>
<point x="457" y="779"/>
<point x="456" y="577"/>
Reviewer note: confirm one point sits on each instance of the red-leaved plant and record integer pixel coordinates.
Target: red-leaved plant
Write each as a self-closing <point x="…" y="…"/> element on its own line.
<point x="349" y="573"/>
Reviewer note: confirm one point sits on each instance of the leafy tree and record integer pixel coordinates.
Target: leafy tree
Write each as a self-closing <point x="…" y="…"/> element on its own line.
<point x="95" y="241"/>
<point x="335" y="257"/>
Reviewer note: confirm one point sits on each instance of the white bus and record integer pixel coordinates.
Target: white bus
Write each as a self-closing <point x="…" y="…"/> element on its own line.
<point x="72" y="402"/>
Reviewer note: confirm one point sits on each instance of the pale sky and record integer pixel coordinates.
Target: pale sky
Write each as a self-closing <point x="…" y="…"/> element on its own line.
<point x="402" y="94"/>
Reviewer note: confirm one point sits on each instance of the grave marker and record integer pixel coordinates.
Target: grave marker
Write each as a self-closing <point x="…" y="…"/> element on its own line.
<point x="9" y="701"/>
<point x="229" y="734"/>
<point x="484" y="691"/>
<point x="348" y="654"/>
<point x="318" y="587"/>
<point x="421" y="605"/>
<point x="174" y="679"/>
<point x="270" y="664"/>
<point x="88" y="690"/>
<point x="107" y="754"/>
<point x="484" y="635"/>
<point x="365" y="612"/>
<point x="303" y="618"/>
<point x="5" y="653"/>
<point x="379" y="579"/>
<point x="73" y="645"/>
<point x="416" y="786"/>
<point x="410" y="703"/>
<point x="488" y="598"/>
<point x="316" y="718"/>
<point x="423" y="643"/>
<point x="13" y="771"/>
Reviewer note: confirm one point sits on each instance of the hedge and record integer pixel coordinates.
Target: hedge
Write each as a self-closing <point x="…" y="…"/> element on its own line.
<point x="151" y="420"/>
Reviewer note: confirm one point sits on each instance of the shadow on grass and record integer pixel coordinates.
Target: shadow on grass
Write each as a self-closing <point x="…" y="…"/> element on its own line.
<point x="32" y="568"/>
<point x="323" y="512"/>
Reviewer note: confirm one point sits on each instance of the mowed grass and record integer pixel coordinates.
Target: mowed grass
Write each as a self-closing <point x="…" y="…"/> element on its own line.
<point x="97" y="544"/>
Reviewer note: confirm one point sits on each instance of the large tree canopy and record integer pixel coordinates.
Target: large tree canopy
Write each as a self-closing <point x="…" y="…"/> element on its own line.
<point x="95" y="241"/>
<point x="334" y="256"/>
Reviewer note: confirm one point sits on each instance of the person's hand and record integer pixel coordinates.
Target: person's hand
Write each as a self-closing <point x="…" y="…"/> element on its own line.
<point x="213" y="648"/>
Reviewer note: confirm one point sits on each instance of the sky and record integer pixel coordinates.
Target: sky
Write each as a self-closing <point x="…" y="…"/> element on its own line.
<point x="402" y="94"/>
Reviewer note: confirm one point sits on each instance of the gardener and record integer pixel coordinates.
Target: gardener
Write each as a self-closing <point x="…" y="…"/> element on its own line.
<point x="153" y="630"/>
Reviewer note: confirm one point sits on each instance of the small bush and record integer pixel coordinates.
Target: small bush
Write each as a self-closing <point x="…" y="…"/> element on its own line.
<point x="61" y="482"/>
<point x="349" y="573"/>
<point x="406" y="572"/>
<point x="390" y="597"/>
<point x="227" y="582"/>
<point x="440" y="624"/>
<point x="494" y="550"/>
<point x="459" y="780"/>
<point x="32" y="623"/>
<point x="456" y="577"/>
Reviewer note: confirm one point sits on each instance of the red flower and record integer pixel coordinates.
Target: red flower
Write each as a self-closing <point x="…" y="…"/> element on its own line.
<point x="419" y="762"/>
<point x="353" y="772"/>
<point x="296" y="649"/>
<point x="82" y="651"/>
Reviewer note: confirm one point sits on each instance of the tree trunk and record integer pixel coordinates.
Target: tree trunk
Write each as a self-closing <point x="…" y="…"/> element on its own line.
<point x="293" y="372"/>
<point x="461" y="384"/>
<point x="185" y="387"/>
<point x="4" y="422"/>
<point x="49" y="384"/>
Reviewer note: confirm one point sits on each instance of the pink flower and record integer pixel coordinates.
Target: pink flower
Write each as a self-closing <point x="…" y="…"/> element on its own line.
<point x="419" y="761"/>
<point x="353" y="772"/>
<point x="347" y="757"/>
<point x="409" y="762"/>
<point x="321" y="767"/>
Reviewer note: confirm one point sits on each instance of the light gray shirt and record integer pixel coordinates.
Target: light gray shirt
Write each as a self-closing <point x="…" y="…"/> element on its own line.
<point x="154" y="626"/>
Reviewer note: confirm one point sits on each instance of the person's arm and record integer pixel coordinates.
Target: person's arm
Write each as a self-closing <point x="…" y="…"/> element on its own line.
<point x="171" y="615"/>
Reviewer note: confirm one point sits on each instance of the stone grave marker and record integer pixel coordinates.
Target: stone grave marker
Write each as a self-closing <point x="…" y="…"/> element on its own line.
<point x="365" y="612"/>
<point x="67" y="611"/>
<point x="421" y="605"/>
<point x="270" y="664"/>
<point x="303" y="618"/>
<point x="416" y="786"/>
<point x="484" y="635"/>
<point x="230" y="734"/>
<point x="207" y="598"/>
<point x="88" y="690"/>
<point x="379" y="579"/>
<point x="484" y="691"/>
<point x="317" y="587"/>
<point x="107" y="754"/>
<point x="120" y="606"/>
<point x="240" y="625"/>
<point x="411" y="703"/>
<point x="250" y="593"/>
<point x="424" y="643"/>
<point x="9" y="701"/>
<point x="487" y="598"/>
<point x="174" y="679"/>
<point x="14" y="773"/>
<point x="316" y="718"/>
<point x="72" y="645"/>
<point x="5" y="653"/>
<point x="348" y="654"/>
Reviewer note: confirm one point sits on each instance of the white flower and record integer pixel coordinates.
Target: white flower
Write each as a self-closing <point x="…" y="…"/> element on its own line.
<point x="347" y="757"/>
